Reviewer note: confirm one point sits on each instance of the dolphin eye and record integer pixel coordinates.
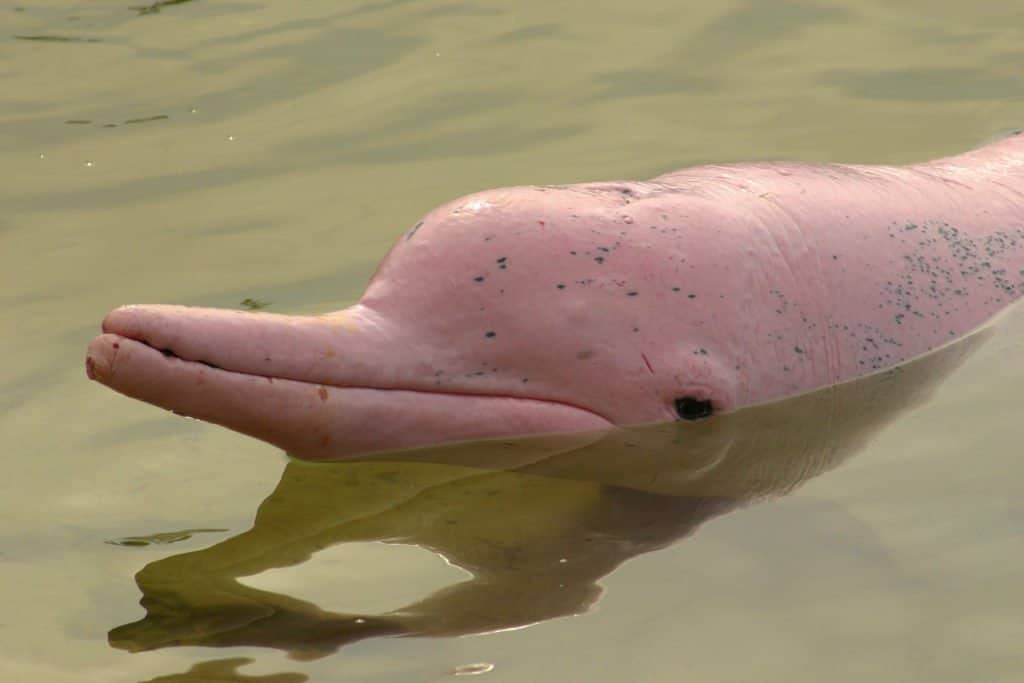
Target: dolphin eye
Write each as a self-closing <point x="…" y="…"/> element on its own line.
<point x="690" y="408"/>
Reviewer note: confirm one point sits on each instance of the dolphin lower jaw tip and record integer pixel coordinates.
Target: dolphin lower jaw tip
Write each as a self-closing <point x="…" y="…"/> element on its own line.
<point x="100" y="357"/>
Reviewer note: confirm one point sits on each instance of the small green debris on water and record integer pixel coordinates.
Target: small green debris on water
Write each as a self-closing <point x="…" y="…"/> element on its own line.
<point x="147" y="119"/>
<point x="163" y="538"/>
<point x="144" y="119"/>
<point x="475" y="669"/>
<point x="155" y="7"/>
<point x="58" y="39"/>
<point x="254" y="304"/>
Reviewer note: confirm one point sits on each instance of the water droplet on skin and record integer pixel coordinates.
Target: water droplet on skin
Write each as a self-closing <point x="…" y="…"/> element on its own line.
<point x="193" y="110"/>
<point x="42" y="156"/>
<point x="477" y="205"/>
<point x="231" y="138"/>
<point x="88" y="164"/>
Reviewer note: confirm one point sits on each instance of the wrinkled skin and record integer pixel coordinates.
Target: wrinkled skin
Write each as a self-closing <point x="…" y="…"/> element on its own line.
<point x="582" y="307"/>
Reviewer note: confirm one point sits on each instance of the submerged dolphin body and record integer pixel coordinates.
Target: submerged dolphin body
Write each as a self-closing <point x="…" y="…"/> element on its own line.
<point x="581" y="307"/>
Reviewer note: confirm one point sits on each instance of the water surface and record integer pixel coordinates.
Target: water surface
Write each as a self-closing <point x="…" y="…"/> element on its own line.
<point x="210" y="153"/>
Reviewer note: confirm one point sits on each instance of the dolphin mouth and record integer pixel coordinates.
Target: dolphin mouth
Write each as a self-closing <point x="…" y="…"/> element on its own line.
<point x="208" y="365"/>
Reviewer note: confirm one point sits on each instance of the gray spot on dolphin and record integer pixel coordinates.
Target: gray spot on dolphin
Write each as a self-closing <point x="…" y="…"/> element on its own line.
<point x="412" y="231"/>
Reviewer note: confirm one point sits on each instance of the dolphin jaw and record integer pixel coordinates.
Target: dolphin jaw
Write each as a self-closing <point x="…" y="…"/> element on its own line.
<point x="312" y="419"/>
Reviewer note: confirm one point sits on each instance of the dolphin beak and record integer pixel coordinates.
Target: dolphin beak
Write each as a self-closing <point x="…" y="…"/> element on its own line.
<point x="319" y="387"/>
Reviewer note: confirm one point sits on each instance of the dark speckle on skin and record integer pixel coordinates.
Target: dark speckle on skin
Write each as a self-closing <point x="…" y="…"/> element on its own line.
<point x="632" y="293"/>
<point x="797" y="349"/>
<point x="412" y="230"/>
<point x="478" y="278"/>
<point x="599" y="259"/>
<point x="931" y="286"/>
<point x="490" y="333"/>
<point x="675" y="289"/>
<point x="691" y="296"/>
<point x="560" y="286"/>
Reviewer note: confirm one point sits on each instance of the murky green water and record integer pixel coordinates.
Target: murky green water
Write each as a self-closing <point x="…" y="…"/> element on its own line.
<point x="210" y="152"/>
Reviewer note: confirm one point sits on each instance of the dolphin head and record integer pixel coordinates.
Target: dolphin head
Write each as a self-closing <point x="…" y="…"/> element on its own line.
<point x="515" y="311"/>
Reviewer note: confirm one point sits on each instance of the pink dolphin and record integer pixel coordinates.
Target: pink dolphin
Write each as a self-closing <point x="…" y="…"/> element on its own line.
<point x="581" y="307"/>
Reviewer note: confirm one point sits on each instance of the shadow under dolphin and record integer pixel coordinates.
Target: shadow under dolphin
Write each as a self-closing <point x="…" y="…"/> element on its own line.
<point x="535" y="521"/>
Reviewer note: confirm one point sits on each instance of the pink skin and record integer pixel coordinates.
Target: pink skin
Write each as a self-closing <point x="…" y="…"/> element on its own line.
<point x="581" y="307"/>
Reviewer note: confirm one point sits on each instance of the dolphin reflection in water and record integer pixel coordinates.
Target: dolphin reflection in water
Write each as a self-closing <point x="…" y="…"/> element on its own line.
<point x="535" y="521"/>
